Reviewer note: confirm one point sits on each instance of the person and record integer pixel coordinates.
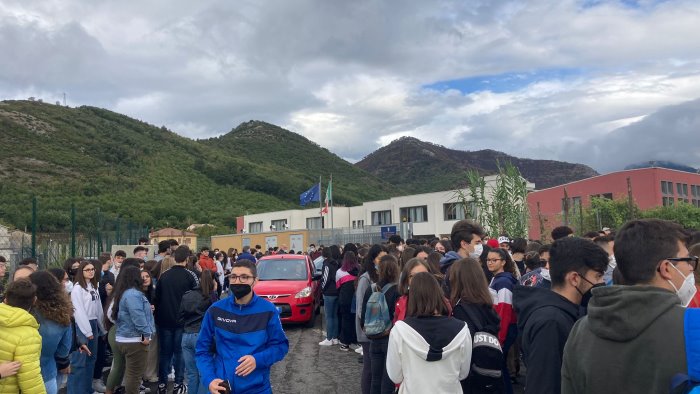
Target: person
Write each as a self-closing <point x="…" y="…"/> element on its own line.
<point x="428" y="352"/>
<point x="165" y="265"/>
<point x="345" y="283"/>
<point x="173" y="284"/>
<point x="607" y="242"/>
<point x="29" y="262"/>
<point x="20" y="340"/>
<point x="135" y="327"/>
<point x="546" y="316"/>
<point x="106" y="284"/>
<point x="561" y="232"/>
<point x="466" y="238"/>
<point x="368" y="277"/>
<point x="694" y="250"/>
<point x="412" y="267"/>
<point x="246" y="254"/>
<point x="143" y="241"/>
<point x="501" y="265"/>
<point x="472" y="303"/>
<point x="148" y="286"/>
<point x="119" y="257"/>
<point x="388" y="276"/>
<point x="88" y="321"/>
<point x="632" y="339"/>
<point x="248" y="334"/>
<point x="194" y="305"/>
<point x="163" y="250"/>
<point x="517" y="249"/>
<point x="22" y="272"/>
<point x="53" y="311"/>
<point x="539" y="276"/>
<point x="331" y="255"/>
<point x="205" y="261"/>
<point x="140" y="252"/>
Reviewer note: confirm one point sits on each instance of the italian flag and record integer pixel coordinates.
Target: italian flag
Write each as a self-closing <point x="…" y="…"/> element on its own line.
<point x="329" y="193"/>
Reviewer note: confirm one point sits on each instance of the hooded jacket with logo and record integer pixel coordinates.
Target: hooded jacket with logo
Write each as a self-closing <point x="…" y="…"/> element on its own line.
<point x="502" y="284"/>
<point x="235" y="331"/>
<point x="20" y="341"/>
<point x="429" y="354"/>
<point x="631" y="341"/>
<point x="545" y="321"/>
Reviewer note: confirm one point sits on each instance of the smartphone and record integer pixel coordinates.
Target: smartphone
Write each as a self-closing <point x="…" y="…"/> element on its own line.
<point x="227" y="387"/>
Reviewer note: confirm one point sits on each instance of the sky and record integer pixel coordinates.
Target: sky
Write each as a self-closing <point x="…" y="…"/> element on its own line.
<point x="604" y="83"/>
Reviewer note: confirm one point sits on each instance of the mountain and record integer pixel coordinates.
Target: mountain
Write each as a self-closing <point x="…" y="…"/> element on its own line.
<point x="663" y="164"/>
<point x="419" y="166"/>
<point x="107" y="162"/>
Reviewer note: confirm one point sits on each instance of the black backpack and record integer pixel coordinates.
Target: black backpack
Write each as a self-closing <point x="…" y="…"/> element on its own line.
<point x="485" y="371"/>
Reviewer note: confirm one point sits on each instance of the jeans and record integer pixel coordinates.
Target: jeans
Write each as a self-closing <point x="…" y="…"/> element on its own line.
<point x="366" y="379"/>
<point x="51" y="386"/>
<point x="194" y="383"/>
<point x="330" y="307"/>
<point x="170" y="344"/>
<point x="381" y="384"/>
<point x="511" y="336"/>
<point x="82" y="365"/>
<point x="100" y="360"/>
<point x="348" y="335"/>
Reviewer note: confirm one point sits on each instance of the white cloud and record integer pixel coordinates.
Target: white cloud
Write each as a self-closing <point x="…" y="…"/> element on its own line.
<point x="351" y="75"/>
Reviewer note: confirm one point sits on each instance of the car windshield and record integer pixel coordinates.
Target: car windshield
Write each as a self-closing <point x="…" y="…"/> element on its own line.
<point x="282" y="270"/>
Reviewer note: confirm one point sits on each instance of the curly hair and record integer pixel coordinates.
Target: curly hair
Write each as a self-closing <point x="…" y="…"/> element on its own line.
<point x="51" y="298"/>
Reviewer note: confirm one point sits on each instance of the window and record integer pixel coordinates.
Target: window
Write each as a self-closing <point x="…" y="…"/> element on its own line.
<point x="414" y="214"/>
<point x="576" y="205"/>
<point x="360" y="223"/>
<point x="667" y="201"/>
<point x="255" y="227"/>
<point x="666" y="187"/>
<point x="381" y="217"/>
<point x="667" y="193"/>
<point x="454" y="211"/>
<point x="279" y="224"/>
<point x="608" y="196"/>
<point x="695" y="191"/>
<point x="314" y="223"/>
<point x="354" y="224"/>
<point x="682" y="190"/>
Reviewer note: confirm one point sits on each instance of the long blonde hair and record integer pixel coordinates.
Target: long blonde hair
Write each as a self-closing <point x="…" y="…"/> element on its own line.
<point x="167" y="263"/>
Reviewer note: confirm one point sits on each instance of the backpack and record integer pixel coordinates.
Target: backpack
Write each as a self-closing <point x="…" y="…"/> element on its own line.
<point x="377" y="318"/>
<point x="690" y="383"/>
<point x="485" y="371"/>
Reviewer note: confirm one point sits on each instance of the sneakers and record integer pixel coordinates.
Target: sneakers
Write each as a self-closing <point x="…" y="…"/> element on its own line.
<point x="335" y="341"/>
<point x="162" y="388"/>
<point x="144" y="390"/>
<point x="359" y="350"/>
<point x="344" y="347"/>
<point x="326" y="342"/>
<point x="179" y="388"/>
<point x="98" y="386"/>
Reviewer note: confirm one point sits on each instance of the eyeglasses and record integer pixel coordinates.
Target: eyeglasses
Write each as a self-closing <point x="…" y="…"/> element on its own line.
<point x="493" y="260"/>
<point x="89" y="270"/>
<point x="241" y="278"/>
<point x="691" y="260"/>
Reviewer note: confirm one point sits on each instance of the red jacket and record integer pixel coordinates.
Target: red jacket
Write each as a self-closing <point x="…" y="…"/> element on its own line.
<point x="207" y="262"/>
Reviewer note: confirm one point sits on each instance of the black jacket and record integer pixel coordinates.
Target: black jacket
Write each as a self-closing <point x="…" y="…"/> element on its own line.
<point x="330" y="266"/>
<point x="192" y="309"/>
<point x="105" y="277"/>
<point x="173" y="284"/>
<point x="545" y="320"/>
<point x="479" y="318"/>
<point x="346" y="292"/>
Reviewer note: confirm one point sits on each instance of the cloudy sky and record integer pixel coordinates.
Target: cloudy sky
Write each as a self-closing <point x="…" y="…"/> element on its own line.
<point x="605" y="83"/>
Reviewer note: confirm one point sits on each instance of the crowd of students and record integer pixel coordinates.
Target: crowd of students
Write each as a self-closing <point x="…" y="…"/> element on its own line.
<point x="156" y="320"/>
<point x="582" y="314"/>
<point x="601" y="313"/>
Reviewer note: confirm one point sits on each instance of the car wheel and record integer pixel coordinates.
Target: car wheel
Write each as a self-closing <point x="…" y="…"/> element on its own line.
<point x="312" y="322"/>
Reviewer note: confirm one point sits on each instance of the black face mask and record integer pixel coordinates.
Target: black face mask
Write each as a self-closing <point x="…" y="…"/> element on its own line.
<point x="240" y="290"/>
<point x="586" y="297"/>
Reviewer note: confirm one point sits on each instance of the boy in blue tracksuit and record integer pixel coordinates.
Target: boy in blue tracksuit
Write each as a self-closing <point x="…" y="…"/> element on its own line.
<point x="244" y="333"/>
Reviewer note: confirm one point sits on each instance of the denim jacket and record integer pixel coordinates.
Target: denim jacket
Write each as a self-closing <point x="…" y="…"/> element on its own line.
<point x="55" y="346"/>
<point x="135" y="317"/>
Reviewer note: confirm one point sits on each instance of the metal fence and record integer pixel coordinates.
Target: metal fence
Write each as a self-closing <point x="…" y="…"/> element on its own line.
<point x="363" y="235"/>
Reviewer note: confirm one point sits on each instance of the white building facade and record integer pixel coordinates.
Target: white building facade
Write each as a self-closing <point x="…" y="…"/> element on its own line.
<point x="428" y="214"/>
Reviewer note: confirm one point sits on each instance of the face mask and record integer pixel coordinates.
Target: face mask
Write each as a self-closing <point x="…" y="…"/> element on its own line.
<point x="545" y="274"/>
<point x="240" y="290"/>
<point x="687" y="290"/>
<point x="400" y="248"/>
<point x="68" y="286"/>
<point x="586" y="297"/>
<point x="478" y="250"/>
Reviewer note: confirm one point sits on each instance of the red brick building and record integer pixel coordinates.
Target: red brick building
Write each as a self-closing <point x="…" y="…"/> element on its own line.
<point x="651" y="187"/>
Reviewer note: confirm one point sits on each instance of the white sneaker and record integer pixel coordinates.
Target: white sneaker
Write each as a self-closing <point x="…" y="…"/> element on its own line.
<point x="359" y="350"/>
<point x="98" y="386"/>
<point x="335" y="341"/>
<point x="326" y="342"/>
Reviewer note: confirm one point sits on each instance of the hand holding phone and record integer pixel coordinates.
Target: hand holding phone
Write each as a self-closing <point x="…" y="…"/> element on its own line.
<point x="219" y="386"/>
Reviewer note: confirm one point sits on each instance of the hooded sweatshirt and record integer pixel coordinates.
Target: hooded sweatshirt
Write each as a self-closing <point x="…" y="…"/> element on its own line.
<point x="545" y="319"/>
<point x="20" y="341"/>
<point x="631" y="341"/>
<point x="445" y="264"/>
<point x="503" y="284"/>
<point x="429" y="354"/>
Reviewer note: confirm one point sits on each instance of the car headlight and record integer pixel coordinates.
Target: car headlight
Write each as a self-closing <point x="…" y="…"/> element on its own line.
<point x="305" y="292"/>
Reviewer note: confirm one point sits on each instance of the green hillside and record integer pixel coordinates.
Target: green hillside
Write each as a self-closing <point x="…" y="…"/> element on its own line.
<point x="149" y="175"/>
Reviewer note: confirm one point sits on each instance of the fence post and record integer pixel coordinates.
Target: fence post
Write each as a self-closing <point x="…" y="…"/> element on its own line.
<point x="72" y="229"/>
<point x="34" y="227"/>
<point x="119" y="231"/>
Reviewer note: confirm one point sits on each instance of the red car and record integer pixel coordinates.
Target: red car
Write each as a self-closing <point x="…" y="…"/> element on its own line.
<point x="291" y="283"/>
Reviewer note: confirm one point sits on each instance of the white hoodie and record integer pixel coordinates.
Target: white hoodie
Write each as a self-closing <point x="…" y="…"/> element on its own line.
<point x="414" y="341"/>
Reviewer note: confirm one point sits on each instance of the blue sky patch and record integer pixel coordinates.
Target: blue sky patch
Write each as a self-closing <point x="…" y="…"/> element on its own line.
<point x="507" y="82"/>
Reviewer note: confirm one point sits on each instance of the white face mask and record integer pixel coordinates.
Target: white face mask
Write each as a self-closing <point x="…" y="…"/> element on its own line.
<point x="478" y="250"/>
<point x="68" y="286"/>
<point x="687" y="290"/>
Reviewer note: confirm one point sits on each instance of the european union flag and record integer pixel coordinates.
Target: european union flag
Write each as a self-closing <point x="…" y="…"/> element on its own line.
<point x="313" y="194"/>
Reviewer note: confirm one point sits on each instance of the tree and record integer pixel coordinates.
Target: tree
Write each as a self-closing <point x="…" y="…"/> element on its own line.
<point x="502" y="210"/>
